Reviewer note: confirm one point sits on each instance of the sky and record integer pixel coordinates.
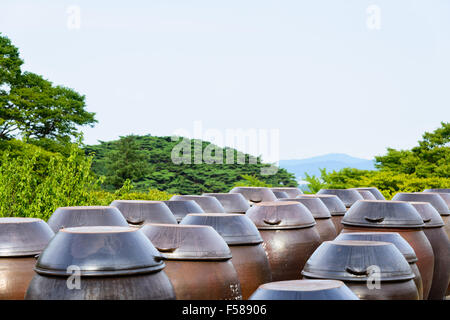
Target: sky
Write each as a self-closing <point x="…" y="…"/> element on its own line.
<point x="328" y="76"/>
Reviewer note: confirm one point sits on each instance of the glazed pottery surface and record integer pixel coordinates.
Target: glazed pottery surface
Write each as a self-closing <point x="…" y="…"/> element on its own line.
<point x="139" y="212"/>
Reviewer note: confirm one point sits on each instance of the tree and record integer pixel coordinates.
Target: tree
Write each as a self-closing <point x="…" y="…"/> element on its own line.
<point x="127" y="162"/>
<point x="32" y="107"/>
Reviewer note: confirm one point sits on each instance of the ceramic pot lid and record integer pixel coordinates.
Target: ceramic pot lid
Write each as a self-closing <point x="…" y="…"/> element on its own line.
<point x="255" y="194"/>
<point x="355" y="261"/>
<point x="280" y="215"/>
<point x="383" y="214"/>
<point x="21" y="237"/>
<point x="431" y="218"/>
<point x="280" y="194"/>
<point x="434" y="198"/>
<point x="187" y="242"/>
<point x="378" y="195"/>
<point x="99" y="251"/>
<point x="231" y="202"/>
<point x="139" y="212"/>
<point x="207" y="203"/>
<point x="180" y="208"/>
<point x="235" y="228"/>
<point x="292" y="192"/>
<point x="332" y="202"/>
<point x="348" y="196"/>
<point x="314" y="205"/>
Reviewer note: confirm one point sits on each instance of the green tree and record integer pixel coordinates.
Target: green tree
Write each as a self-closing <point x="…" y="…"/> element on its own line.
<point x="127" y="162"/>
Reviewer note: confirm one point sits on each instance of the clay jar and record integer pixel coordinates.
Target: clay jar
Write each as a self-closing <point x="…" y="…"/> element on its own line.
<point x="355" y="262"/>
<point x="335" y="206"/>
<point x="207" y="203"/>
<point x="115" y="263"/>
<point x="434" y="230"/>
<point x="245" y="242"/>
<point x="321" y="214"/>
<point x="292" y="192"/>
<point x="255" y="194"/>
<point x="66" y="217"/>
<point x="397" y="240"/>
<point x="289" y="234"/>
<point x="348" y="196"/>
<point x="180" y="208"/>
<point x="304" y="290"/>
<point x="21" y="239"/>
<point x="231" y="202"/>
<point x="139" y="212"/>
<point x="198" y="261"/>
<point x="377" y="194"/>
<point x="394" y="216"/>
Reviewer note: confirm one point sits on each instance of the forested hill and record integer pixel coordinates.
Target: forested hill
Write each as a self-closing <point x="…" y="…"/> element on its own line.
<point x="146" y="161"/>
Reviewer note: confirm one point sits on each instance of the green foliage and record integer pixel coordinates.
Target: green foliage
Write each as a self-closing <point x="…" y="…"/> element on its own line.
<point x="251" y="181"/>
<point x="314" y="183"/>
<point x="186" y="178"/>
<point x="32" y="107"/>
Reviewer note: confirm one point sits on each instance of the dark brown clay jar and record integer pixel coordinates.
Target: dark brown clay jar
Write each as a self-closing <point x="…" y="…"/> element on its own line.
<point x="435" y="232"/>
<point x="397" y="240"/>
<point x="67" y="217"/>
<point x="255" y="194"/>
<point x="114" y="263"/>
<point x="335" y="206"/>
<point x="198" y="261"/>
<point x="348" y="196"/>
<point x="21" y="239"/>
<point x="245" y="242"/>
<point x="394" y="216"/>
<point x="180" y="208"/>
<point x="321" y="214"/>
<point x="292" y="192"/>
<point x="232" y="202"/>
<point x="207" y="203"/>
<point x="289" y="234"/>
<point x="139" y="212"/>
<point x="304" y="290"/>
<point x="354" y="263"/>
<point x="377" y="194"/>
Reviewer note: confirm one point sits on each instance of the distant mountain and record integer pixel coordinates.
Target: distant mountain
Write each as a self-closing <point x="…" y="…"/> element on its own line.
<point x="332" y="161"/>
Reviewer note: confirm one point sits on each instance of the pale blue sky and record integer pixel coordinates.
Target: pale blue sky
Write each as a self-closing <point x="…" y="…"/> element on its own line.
<point x="312" y="69"/>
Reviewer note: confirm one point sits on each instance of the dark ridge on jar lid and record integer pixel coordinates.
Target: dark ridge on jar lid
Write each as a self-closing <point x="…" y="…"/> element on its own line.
<point x="207" y="203"/>
<point x="66" y="217"/>
<point x="280" y="215"/>
<point x="348" y="260"/>
<point x="21" y="237"/>
<point x="332" y="202"/>
<point x="235" y="228"/>
<point x="99" y="251"/>
<point x="139" y="212"/>
<point x="231" y="202"/>
<point x="393" y="237"/>
<point x="187" y="242"/>
<point x="292" y="192"/>
<point x="429" y="214"/>
<point x="255" y="194"/>
<point x="348" y="196"/>
<point x="434" y="198"/>
<point x="317" y="208"/>
<point x="383" y="214"/>
<point x="180" y="208"/>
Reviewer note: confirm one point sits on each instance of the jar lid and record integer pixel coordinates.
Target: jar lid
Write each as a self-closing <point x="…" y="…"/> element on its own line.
<point x="139" y="212"/>
<point x="378" y="195"/>
<point x="393" y="237"/>
<point x="21" y="237"/>
<point x="332" y="202"/>
<point x="434" y="198"/>
<point x="348" y="196"/>
<point x="349" y="260"/>
<point x="383" y="214"/>
<point x="235" y="228"/>
<point x="255" y="194"/>
<point x="438" y="190"/>
<point x="280" y="194"/>
<point x="66" y="217"/>
<point x="187" y="242"/>
<point x="280" y="215"/>
<point x="207" y="203"/>
<point x="431" y="218"/>
<point x="315" y="205"/>
<point x="292" y="192"/>
<point x="231" y="202"/>
<point x="99" y="251"/>
<point x="180" y="208"/>
<point x="366" y="194"/>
